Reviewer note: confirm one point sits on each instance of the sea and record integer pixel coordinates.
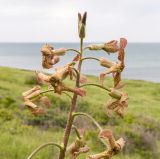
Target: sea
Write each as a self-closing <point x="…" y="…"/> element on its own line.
<point x="142" y="59"/>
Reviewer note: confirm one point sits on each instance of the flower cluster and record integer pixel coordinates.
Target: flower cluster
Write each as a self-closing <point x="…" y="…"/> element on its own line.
<point x="118" y="102"/>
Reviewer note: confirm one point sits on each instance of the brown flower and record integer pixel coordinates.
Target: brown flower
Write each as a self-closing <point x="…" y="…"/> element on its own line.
<point x="42" y="78"/>
<point x="78" y="147"/>
<point x="117" y="103"/>
<point x="62" y="72"/>
<point x="35" y="110"/>
<point x="29" y="97"/>
<point x="114" y="146"/>
<point x="48" y="58"/>
<point x="113" y="68"/>
<point x="35" y="91"/>
<point x="111" y="46"/>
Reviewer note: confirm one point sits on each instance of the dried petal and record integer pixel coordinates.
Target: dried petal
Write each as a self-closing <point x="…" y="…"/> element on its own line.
<point x="47" y="49"/>
<point x="42" y="78"/>
<point x="123" y="43"/>
<point x="35" y="91"/>
<point x="111" y="47"/>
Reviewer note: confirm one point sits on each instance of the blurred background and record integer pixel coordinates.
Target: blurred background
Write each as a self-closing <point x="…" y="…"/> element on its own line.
<point x="27" y="25"/>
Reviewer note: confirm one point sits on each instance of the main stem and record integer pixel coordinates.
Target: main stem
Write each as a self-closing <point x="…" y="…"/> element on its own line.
<point x="72" y="108"/>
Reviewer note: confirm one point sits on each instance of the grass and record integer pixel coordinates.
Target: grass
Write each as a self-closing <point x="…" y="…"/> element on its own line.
<point x="21" y="132"/>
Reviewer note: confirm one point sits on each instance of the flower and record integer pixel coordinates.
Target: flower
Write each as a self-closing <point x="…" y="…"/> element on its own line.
<point x="35" y="91"/>
<point x="48" y="58"/>
<point x="112" y="68"/>
<point x="35" y="110"/>
<point x="111" y="46"/>
<point x="62" y="72"/>
<point x="29" y="97"/>
<point x="60" y="87"/>
<point x="115" y="146"/>
<point x="82" y="24"/>
<point x="78" y="147"/>
<point x="118" y="102"/>
<point x="42" y="78"/>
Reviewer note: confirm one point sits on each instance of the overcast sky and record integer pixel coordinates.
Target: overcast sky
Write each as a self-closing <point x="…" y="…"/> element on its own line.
<point x="56" y="20"/>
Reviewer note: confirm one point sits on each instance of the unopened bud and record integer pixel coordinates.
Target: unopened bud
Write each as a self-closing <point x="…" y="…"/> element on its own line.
<point x="106" y="63"/>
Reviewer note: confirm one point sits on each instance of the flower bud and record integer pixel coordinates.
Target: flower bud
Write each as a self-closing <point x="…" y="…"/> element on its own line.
<point x="115" y="94"/>
<point x="106" y="63"/>
<point x="95" y="46"/>
<point x="82" y="24"/>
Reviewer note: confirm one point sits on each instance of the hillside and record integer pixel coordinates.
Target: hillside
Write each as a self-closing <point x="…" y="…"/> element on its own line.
<point x="21" y="132"/>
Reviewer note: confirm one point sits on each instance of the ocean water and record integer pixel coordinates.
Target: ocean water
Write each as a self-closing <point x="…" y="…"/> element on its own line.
<point x="142" y="59"/>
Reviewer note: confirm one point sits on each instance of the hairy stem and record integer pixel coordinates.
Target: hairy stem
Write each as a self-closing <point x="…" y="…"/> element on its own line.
<point x="43" y="146"/>
<point x="72" y="108"/>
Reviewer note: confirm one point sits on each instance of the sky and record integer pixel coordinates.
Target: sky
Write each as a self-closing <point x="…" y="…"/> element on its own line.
<point x="56" y="20"/>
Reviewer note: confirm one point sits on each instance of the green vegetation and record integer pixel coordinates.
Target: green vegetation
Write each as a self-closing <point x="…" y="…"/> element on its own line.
<point x="21" y="132"/>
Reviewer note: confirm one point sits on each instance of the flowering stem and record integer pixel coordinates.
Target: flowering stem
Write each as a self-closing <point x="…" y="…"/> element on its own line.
<point x="43" y="146"/>
<point x="74" y="50"/>
<point x="97" y="85"/>
<point x="87" y="115"/>
<point x="90" y="58"/>
<point x="72" y="108"/>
